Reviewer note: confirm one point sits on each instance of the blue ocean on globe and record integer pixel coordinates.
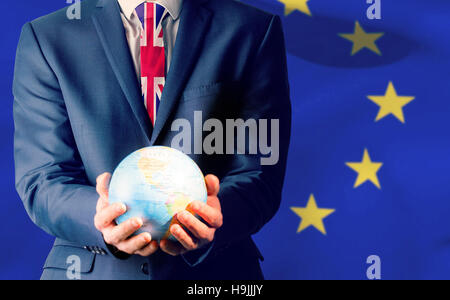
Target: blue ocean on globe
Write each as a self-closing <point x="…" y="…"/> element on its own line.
<point x="155" y="183"/>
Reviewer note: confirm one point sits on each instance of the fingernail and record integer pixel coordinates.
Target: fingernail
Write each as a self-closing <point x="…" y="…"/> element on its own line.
<point x="121" y="208"/>
<point x="147" y="237"/>
<point x="180" y="216"/>
<point x="137" y="222"/>
<point x="184" y="215"/>
<point x="175" y="230"/>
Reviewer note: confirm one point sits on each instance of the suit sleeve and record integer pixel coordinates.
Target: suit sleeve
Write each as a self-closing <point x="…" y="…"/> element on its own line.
<point x="250" y="193"/>
<point x="50" y="177"/>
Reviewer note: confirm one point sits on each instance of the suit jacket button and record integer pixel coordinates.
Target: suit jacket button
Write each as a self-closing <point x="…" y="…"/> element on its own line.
<point x="144" y="268"/>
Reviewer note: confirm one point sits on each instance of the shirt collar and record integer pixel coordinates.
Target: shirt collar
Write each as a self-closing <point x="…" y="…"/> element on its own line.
<point x="172" y="6"/>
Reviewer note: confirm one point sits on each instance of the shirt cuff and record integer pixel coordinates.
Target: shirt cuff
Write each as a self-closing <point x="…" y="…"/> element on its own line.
<point x="116" y="252"/>
<point x="194" y="258"/>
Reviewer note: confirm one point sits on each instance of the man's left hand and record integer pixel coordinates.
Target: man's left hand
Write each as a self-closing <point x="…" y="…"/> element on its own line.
<point x="198" y="234"/>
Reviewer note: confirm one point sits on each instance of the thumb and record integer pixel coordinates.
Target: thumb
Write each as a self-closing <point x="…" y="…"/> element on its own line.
<point x="103" y="185"/>
<point x="212" y="185"/>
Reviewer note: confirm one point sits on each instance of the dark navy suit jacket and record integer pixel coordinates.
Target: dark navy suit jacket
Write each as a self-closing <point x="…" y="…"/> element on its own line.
<point x="78" y="112"/>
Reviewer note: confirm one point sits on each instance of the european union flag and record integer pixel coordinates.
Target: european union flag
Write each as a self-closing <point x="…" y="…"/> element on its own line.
<point x="367" y="191"/>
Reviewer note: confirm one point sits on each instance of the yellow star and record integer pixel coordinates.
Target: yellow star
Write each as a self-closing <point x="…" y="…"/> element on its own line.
<point x="391" y="103"/>
<point x="362" y="39"/>
<point x="312" y="215"/>
<point x="367" y="170"/>
<point x="291" y="5"/>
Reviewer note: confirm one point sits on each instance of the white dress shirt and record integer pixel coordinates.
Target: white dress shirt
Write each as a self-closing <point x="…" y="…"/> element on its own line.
<point x="133" y="28"/>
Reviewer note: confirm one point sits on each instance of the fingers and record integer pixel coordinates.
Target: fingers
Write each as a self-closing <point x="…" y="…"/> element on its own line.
<point x="121" y="232"/>
<point x="103" y="185"/>
<point x="172" y="248"/>
<point x="214" y="202"/>
<point x="118" y="236"/>
<point x="210" y="214"/>
<point x="102" y="203"/>
<point x="106" y="216"/>
<point x="212" y="185"/>
<point x="148" y="250"/>
<point x="134" y="244"/>
<point x="185" y="239"/>
<point x="102" y="190"/>
<point x="195" y="226"/>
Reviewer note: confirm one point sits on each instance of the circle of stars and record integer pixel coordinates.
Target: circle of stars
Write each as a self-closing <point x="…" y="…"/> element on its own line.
<point x="389" y="104"/>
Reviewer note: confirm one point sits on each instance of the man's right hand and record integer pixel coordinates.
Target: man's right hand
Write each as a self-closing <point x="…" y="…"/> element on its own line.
<point x="119" y="235"/>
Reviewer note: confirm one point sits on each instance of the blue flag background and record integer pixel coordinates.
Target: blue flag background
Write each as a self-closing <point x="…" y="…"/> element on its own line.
<point x="369" y="161"/>
<point x="405" y="222"/>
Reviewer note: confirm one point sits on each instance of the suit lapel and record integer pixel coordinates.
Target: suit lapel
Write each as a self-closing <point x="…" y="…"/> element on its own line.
<point x="111" y="32"/>
<point x="193" y="25"/>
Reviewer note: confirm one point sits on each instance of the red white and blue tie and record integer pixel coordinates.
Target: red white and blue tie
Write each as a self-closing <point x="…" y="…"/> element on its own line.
<point x="152" y="56"/>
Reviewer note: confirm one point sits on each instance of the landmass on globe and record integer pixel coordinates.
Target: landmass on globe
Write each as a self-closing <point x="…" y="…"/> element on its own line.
<point x="156" y="183"/>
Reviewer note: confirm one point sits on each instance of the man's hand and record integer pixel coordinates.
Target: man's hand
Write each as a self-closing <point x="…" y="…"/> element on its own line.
<point x="118" y="235"/>
<point x="198" y="234"/>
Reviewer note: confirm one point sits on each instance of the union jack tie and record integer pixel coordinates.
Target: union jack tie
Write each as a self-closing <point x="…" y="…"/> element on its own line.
<point x="152" y="56"/>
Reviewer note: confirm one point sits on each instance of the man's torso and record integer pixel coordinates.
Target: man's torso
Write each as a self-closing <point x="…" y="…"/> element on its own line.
<point x="91" y="59"/>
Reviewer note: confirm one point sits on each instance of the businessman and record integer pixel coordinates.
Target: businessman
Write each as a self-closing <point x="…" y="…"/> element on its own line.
<point x="89" y="92"/>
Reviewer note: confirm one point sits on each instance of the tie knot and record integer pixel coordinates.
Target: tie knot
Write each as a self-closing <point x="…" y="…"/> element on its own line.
<point x="150" y="10"/>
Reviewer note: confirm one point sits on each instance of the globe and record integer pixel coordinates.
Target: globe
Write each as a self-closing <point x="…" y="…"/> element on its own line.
<point x="155" y="183"/>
